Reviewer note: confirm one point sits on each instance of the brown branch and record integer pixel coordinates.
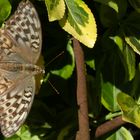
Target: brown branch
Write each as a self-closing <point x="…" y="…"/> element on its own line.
<point x="83" y="133"/>
<point x="109" y="126"/>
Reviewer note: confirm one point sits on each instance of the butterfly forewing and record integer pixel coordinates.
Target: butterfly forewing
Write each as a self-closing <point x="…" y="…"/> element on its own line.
<point x="25" y="31"/>
<point x="20" y="43"/>
<point x="8" y="50"/>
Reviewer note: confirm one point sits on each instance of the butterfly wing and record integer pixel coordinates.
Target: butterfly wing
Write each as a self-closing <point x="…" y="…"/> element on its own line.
<point x="17" y="90"/>
<point x="8" y="49"/>
<point x="20" y="41"/>
<point x="15" y="105"/>
<point x="24" y="29"/>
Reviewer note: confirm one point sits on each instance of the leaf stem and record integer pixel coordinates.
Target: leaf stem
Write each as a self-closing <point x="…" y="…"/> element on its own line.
<point x="112" y="115"/>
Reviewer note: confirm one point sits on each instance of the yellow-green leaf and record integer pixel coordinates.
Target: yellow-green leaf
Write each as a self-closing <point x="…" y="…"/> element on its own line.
<point x="130" y="109"/>
<point x="79" y="22"/>
<point x="131" y="30"/>
<point x="121" y="134"/>
<point x="134" y="43"/>
<point x="55" y="8"/>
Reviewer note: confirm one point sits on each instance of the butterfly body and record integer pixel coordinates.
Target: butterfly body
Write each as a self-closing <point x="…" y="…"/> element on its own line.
<point x="20" y="47"/>
<point x="29" y="69"/>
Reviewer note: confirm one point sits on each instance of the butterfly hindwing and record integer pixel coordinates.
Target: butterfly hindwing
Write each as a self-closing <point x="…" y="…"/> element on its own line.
<point x="16" y="105"/>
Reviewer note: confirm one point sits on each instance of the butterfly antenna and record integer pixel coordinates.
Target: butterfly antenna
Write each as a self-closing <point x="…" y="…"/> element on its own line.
<point x="55" y="57"/>
<point x="50" y="63"/>
<point x="53" y="87"/>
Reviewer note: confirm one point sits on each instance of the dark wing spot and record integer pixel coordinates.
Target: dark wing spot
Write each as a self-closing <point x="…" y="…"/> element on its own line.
<point x="8" y="104"/>
<point x="10" y="110"/>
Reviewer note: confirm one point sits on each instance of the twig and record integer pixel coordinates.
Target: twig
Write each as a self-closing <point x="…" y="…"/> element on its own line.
<point x="83" y="133"/>
<point x="109" y="126"/>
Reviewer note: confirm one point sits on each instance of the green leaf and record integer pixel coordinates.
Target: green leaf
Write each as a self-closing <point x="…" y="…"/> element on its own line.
<point x="109" y="96"/>
<point x="90" y="55"/>
<point x="5" y="9"/>
<point x="136" y="84"/>
<point x="35" y="138"/>
<point x="64" y="132"/>
<point x="94" y="96"/>
<point x="113" y="69"/>
<point x="23" y="134"/>
<point x="108" y="16"/>
<point x="109" y="3"/>
<point x="67" y="70"/>
<point x="130" y="109"/>
<point x="79" y="22"/>
<point x="121" y="134"/>
<point x="135" y="4"/>
<point x="91" y="64"/>
<point x="56" y="9"/>
<point x="128" y="56"/>
<point x="119" y="6"/>
<point x="15" y="137"/>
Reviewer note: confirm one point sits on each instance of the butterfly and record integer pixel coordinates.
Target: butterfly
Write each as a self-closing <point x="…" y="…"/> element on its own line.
<point x="20" y="47"/>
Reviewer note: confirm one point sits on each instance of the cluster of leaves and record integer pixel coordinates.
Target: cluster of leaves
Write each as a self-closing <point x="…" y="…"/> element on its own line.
<point x="113" y="67"/>
<point x="116" y="62"/>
